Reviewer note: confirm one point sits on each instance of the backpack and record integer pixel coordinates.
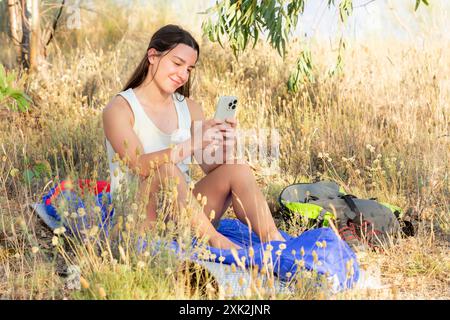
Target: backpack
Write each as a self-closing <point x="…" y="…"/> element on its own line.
<point x="325" y="204"/>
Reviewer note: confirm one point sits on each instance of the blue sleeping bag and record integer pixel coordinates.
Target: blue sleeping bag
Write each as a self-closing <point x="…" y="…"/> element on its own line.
<point x="319" y="250"/>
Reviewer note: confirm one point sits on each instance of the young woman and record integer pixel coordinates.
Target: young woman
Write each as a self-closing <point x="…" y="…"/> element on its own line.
<point x="153" y="119"/>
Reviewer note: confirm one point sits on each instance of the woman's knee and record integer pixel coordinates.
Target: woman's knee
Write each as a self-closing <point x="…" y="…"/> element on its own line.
<point x="241" y="171"/>
<point x="164" y="176"/>
<point x="168" y="170"/>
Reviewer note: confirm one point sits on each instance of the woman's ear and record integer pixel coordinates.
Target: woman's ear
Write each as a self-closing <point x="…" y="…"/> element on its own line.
<point x="152" y="53"/>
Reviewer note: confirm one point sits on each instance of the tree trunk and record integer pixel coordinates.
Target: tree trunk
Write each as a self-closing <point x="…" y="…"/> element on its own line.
<point x="35" y="35"/>
<point x="30" y="43"/>
<point x="26" y="35"/>
<point x="14" y="18"/>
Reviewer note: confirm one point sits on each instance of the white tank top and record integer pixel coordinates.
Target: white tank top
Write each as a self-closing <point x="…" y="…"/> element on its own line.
<point x="151" y="137"/>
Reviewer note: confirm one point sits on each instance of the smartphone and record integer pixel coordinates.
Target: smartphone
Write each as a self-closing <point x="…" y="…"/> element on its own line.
<point x="226" y="107"/>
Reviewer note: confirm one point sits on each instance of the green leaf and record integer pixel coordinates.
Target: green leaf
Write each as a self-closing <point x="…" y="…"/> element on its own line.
<point x="28" y="176"/>
<point x="345" y="9"/>
<point x="3" y="83"/>
<point x="42" y="168"/>
<point x="256" y="36"/>
<point x="302" y="73"/>
<point x="418" y="2"/>
<point x="8" y="92"/>
<point x="10" y="78"/>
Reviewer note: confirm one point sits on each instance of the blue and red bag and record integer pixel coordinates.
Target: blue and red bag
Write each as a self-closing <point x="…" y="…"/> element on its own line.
<point x="65" y="198"/>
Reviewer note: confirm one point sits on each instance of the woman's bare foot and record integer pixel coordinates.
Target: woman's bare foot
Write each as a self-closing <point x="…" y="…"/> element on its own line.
<point x="274" y="236"/>
<point x="221" y="242"/>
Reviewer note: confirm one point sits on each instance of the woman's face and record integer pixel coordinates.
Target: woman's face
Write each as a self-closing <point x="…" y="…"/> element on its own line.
<point x="172" y="70"/>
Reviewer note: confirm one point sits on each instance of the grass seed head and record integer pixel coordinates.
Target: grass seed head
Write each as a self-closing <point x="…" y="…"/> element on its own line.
<point x="204" y="200"/>
<point x="212" y="215"/>
<point x="55" y="241"/>
<point x="59" y="231"/>
<point x="101" y="293"/>
<point x="81" y="212"/>
<point x="84" y="283"/>
<point x="315" y="256"/>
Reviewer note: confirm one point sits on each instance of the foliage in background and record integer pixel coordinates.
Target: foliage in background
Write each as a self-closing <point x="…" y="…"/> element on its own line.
<point x="15" y="99"/>
<point x="239" y="21"/>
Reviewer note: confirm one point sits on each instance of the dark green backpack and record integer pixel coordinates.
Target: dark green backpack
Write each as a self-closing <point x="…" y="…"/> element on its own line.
<point x="324" y="203"/>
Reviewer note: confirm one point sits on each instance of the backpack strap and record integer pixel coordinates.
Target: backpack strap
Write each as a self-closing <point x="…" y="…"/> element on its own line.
<point x="320" y="219"/>
<point x="355" y="212"/>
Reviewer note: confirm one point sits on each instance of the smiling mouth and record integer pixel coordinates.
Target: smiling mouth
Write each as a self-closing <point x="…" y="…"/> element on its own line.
<point x="176" y="82"/>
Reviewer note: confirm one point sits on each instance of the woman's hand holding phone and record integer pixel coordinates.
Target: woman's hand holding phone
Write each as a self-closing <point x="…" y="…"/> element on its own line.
<point x="229" y="138"/>
<point x="207" y="132"/>
<point x="215" y="135"/>
<point x="229" y="132"/>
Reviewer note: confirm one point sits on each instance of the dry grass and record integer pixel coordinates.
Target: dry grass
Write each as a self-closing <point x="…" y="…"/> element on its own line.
<point x="381" y="129"/>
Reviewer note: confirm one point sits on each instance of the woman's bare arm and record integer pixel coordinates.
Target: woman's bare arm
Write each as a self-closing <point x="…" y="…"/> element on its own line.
<point x="118" y="122"/>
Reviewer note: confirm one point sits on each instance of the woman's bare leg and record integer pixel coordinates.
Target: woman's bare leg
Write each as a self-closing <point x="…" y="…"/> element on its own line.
<point x="237" y="183"/>
<point x="200" y="222"/>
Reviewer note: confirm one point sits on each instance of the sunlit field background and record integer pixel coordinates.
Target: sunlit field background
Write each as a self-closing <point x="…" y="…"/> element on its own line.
<point x="380" y="128"/>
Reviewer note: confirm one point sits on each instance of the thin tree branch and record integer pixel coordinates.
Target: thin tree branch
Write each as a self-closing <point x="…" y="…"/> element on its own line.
<point x="24" y="10"/>
<point x="55" y="22"/>
<point x="364" y="4"/>
<point x="14" y="40"/>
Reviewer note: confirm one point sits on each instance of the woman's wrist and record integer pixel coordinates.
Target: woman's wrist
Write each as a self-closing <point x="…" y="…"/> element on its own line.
<point x="194" y="145"/>
<point x="189" y="145"/>
<point x="181" y="151"/>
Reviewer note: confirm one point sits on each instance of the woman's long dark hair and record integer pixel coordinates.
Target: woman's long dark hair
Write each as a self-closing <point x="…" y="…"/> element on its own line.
<point x="166" y="38"/>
